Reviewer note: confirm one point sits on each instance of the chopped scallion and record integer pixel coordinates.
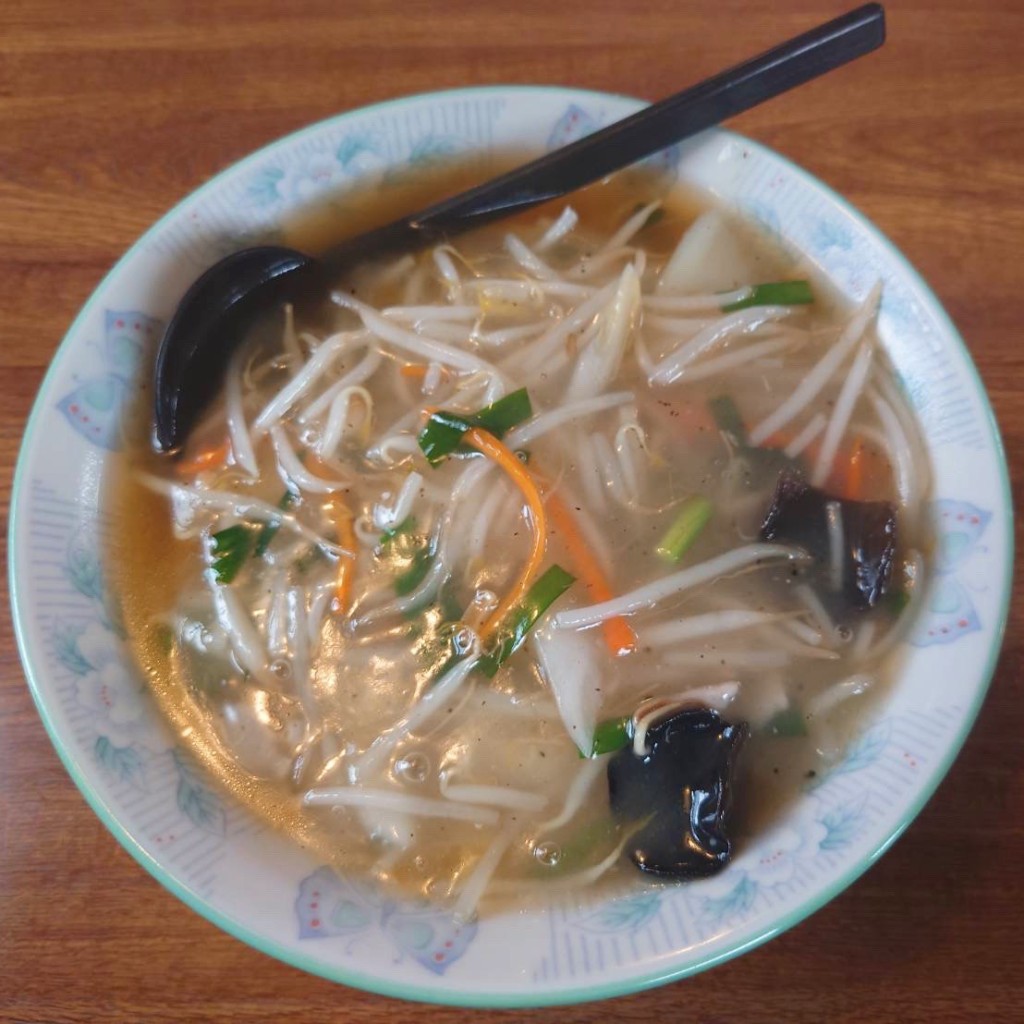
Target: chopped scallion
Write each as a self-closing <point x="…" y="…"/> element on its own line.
<point x="728" y="420"/>
<point x="787" y="723"/>
<point x="895" y="601"/>
<point x="611" y="735"/>
<point x="163" y="636"/>
<point x="306" y="561"/>
<point x="444" y="430"/>
<point x="774" y="293"/>
<point x="442" y="435"/>
<point x="583" y="847"/>
<point x="269" y="530"/>
<point x="230" y="547"/>
<point x="685" y="529"/>
<point x="508" y="412"/>
<point x="407" y="525"/>
<point x="512" y="631"/>
<point x="416" y="573"/>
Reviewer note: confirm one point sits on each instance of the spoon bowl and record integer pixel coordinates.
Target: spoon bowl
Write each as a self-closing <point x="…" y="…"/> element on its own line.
<point x="191" y="361"/>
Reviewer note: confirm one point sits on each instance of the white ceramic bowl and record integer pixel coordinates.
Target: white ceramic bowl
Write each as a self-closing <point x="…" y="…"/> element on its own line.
<point x="251" y="882"/>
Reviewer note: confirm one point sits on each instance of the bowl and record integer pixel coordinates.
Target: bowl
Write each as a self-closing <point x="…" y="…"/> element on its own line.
<point x="250" y="881"/>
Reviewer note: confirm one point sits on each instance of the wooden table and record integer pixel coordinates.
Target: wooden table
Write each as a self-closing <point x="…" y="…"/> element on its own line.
<point x="110" y="112"/>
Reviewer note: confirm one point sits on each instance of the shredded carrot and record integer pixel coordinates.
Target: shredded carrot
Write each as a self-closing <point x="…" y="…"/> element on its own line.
<point x="855" y="471"/>
<point x="489" y="445"/>
<point x="618" y="634"/>
<point x="419" y="371"/>
<point x="206" y="458"/>
<point x="346" y="563"/>
<point x="868" y="473"/>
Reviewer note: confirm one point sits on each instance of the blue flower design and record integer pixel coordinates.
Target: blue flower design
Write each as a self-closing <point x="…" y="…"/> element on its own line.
<point x="830" y="234"/>
<point x="843" y="823"/>
<point x="95" y="407"/>
<point x="195" y="800"/>
<point x="735" y="902"/>
<point x="767" y="217"/>
<point x="262" y="189"/>
<point x="329" y="905"/>
<point x="83" y="567"/>
<point x="574" y="124"/>
<point x="430" y="936"/>
<point x="900" y="309"/>
<point x="65" y="644"/>
<point x="950" y="613"/>
<point x="865" y="751"/>
<point x="353" y="147"/>
<point x="431" y="149"/>
<point x="627" y="914"/>
<point x="124" y="763"/>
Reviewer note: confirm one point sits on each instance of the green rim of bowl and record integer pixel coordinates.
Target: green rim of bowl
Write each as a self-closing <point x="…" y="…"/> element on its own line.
<point x="509" y="998"/>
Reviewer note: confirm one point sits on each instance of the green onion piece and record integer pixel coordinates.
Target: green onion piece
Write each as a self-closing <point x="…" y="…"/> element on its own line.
<point x="444" y="430"/>
<point x="420" y="557"/>
<point x="163" y="636"/>
<point x="416" y="573"/>
<point x="434" y="643"/>
<point x="269" y="530"/>
<point x="788" y="723"/>
<point x="449" y="605"/>
<point x="230" y="548"/>
<point x="306" y="561"/>
<point x="684" y="531"/>
<point x="727" y="417"/>
<point x="583" y="847"/>
<point x="442" y="435"/>
<point x="611" y="735"/>
<point x="520" y="620"/>
<point x="407" y="525"/>
<point x="775" y="293"/>
<point x="895" y="601"/>
<point x="506" y="413"/>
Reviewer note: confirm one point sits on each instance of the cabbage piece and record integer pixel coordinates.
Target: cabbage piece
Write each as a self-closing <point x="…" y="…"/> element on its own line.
<point x="599" y="362"/>
<point x="710" y="257"/>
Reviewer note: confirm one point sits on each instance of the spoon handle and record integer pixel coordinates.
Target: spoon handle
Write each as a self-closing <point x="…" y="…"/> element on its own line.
<point x="625" y="142"/>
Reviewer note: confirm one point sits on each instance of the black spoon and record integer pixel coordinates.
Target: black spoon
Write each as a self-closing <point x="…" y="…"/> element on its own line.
<point x="212" y="317"/>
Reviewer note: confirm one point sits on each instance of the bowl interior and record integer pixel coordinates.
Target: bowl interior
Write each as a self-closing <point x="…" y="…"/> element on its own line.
<point x="251" y="882"/>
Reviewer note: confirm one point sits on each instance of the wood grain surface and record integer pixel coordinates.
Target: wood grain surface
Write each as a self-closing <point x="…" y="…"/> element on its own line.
<point x="111" y="112"/>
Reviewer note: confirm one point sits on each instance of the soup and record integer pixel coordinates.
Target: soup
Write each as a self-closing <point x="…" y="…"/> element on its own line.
<point x="569" y="549"/>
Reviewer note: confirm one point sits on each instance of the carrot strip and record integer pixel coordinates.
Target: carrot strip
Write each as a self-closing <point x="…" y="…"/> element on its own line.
<point x="618" y="634"/>
<point x="413" y="370"/>
<point x="346" y="563"/>
<point x="489" y="445"/>
<point x="206" y="458"/>
<point x="855" y="471"/>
